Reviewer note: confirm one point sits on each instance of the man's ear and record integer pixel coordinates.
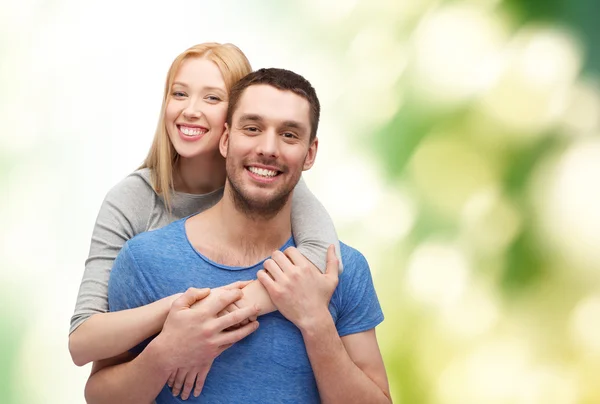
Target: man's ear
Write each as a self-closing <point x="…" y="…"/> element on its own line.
<point x="309" y="160"/>
<point x="224" y="141"/>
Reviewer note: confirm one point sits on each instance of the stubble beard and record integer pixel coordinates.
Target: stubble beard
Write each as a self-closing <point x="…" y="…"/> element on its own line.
<point x="256" y="208"/>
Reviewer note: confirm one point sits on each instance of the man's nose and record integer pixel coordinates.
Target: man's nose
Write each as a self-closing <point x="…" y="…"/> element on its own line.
<point x="268" y="144"/>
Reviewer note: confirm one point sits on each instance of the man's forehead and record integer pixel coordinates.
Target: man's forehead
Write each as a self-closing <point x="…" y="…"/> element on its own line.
<point x="272" y="104"/>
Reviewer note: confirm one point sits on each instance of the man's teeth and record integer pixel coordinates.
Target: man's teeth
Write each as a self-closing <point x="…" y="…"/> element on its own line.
<point x="263" y="172"/>
<point x="191" y="131"/>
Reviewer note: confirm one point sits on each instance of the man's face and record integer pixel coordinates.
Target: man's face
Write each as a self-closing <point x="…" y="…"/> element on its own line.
<point x="267" y="147"/>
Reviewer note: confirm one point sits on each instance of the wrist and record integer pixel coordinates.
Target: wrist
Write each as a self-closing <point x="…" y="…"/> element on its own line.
<point x="316" y="323"/>
<point x="157" y="357"/>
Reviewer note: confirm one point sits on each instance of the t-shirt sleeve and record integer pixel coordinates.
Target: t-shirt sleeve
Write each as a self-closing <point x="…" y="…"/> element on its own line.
<point x="359" y="309"/>
<point x="312" y="227"/>
<point x="124" y="281"/>
<point x="123" y="214"/>
<point x="126" y="287"/>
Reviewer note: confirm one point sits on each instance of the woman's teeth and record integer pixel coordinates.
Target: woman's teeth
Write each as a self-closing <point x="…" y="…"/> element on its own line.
<point x="192" y="131"/>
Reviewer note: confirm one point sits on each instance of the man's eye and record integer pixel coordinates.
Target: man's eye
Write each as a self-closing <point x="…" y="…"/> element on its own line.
<point x="252" y="129"/>
<point x="289" y="135"/>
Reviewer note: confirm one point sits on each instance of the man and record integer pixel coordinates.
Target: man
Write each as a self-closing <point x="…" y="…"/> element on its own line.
<point x="319" y="346"/>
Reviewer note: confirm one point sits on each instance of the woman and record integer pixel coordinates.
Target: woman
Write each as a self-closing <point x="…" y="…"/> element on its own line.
<point x="184" y="173"/>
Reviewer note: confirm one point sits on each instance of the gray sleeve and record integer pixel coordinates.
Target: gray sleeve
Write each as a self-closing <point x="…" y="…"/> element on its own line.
<point x="312" y="227"/>
<point x="123" y="214"/>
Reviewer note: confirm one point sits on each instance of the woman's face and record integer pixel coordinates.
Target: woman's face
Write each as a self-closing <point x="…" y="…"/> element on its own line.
<point x="196" y="108"/>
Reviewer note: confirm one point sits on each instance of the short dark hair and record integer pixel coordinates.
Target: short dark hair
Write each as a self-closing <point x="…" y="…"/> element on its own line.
<point x="281" y="79"/>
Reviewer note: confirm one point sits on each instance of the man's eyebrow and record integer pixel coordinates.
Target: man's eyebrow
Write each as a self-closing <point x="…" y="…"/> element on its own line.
<point x="293" y="125"/>
<point x="250" y="117"/>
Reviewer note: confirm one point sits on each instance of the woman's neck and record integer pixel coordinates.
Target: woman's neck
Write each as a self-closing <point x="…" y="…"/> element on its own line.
<point x="199" y="175"/>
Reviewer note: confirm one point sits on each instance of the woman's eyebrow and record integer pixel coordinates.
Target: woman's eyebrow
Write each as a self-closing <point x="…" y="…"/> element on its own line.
<point x="206" y="88"/>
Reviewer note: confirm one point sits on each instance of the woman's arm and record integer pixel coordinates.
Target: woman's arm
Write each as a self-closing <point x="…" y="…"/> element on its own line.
<point x="107" y="335"/>
<point x="313" y="228"/>
<point x="96" y="334"/>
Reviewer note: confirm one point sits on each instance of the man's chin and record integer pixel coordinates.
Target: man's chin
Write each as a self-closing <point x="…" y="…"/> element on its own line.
<point x="261" y="202"/>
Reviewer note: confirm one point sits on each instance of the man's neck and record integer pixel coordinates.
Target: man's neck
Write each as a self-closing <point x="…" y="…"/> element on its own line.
<point x="231" y="237"/>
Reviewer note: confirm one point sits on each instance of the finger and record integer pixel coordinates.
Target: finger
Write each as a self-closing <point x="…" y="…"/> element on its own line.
<point x="220" y="299"/>
<point x="179" y="379"/>
<point x="188" y="384"/>
<point x="237" y="285"/>
<point x="267" y="281"/>
<point x="273" y="269"/>
<point x="231" y="337"/>
<point x="282" y="261"/>
<point x="172" y="378"/>
<point x="296" y="257"/>
<point x="229" y="309"/>
<point x="236" y="317"/>
<point x="191" y="296"/>
<point x="200" y="378"/>
<point x="333" y="264"/>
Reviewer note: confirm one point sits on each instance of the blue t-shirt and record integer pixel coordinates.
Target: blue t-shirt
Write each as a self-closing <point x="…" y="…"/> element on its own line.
<point x="270" y="365"/>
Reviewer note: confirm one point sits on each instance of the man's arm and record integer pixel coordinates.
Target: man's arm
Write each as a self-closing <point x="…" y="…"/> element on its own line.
<point x="347" y="369"/>
<point x="190" y="340"/>
<point x="127" y="379"/>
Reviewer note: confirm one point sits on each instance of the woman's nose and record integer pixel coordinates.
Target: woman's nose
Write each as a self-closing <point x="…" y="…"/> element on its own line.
<point x="192" y="111"/>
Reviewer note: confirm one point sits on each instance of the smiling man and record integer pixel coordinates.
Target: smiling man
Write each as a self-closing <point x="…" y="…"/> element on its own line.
<point x="320" y="346"/>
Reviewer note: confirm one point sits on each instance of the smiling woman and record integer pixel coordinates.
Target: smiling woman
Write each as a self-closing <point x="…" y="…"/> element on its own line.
<point x="194" y="118"/>
<point x="195" y="108"/>
<point x="183" y="174"/>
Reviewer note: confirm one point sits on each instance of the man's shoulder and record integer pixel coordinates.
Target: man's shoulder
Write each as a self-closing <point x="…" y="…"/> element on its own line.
<point x="155" y="240"/>
<point x="353" y="258"/>
<point x="356" y="267"/>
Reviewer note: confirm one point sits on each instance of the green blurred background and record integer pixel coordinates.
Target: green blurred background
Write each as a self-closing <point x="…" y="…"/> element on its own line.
<point x="460" y="152"/>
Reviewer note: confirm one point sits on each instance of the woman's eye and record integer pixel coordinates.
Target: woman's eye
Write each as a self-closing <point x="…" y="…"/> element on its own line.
<point x="213" y="98"/>
<point x="178" y="94"/>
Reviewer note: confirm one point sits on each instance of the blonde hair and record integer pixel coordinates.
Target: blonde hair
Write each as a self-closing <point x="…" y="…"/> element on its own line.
<point x="162" y="156"/>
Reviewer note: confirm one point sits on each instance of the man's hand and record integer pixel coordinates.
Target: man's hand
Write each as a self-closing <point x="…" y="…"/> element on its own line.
<point x="298" y="289"/>
<point x="183" y="378"/>
<point x="194" y="335"/>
